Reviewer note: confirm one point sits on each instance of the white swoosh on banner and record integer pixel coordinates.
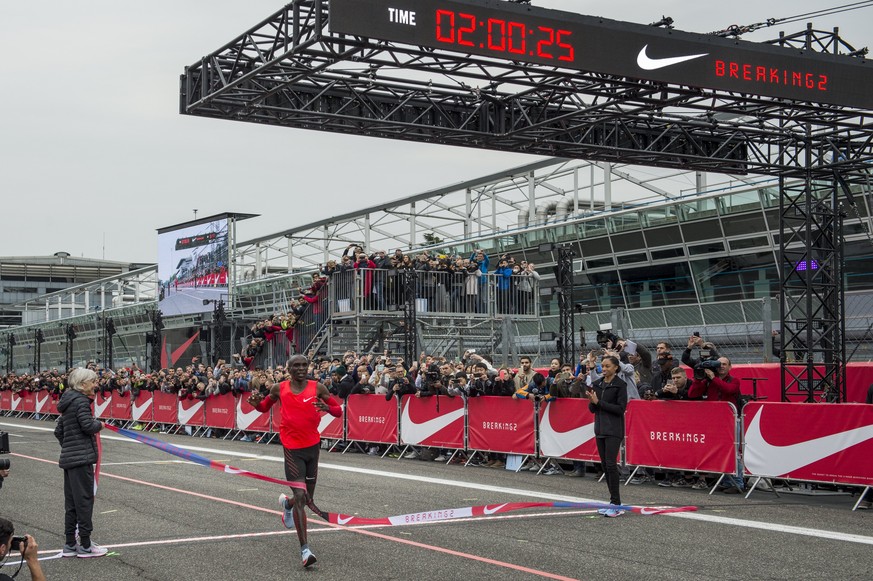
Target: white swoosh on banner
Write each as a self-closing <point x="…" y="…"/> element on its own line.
<point x="99" y="409"/>
<point x="245" y="419"/>
<point x="342" y="521"/>
<point x="413" y="433"/>
<point x="650" y="64"/>
<point x="555" y="443"/>
<point x="138" y="411"/>
<point x="489" y="510"/>
<point x="16" y="401"/>
<point x="40" y="403"/>
<point x="765" y="459"/>
<point x="327" y="420"/>
<point x="185" y="415"/>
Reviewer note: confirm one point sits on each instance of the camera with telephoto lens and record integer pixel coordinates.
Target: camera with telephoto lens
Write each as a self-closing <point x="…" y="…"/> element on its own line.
<point x="702" y="366"/>
<point x="17" y="541"/>
<point x="604" y="338"/>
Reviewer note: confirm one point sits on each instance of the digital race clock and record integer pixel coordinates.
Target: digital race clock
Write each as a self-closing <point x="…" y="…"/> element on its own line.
<point x="520" y="32"/>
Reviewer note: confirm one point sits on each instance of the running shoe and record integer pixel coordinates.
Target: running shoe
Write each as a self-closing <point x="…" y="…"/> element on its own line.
<point x="440" y="458"/>
<point x="666" y="483"/>
<point x="287" y="513"/>
<point x="307" y="557"/>
<point x="700" y="485"/>
<point x="70" y="551"/>
<point x="613" y="512"/>
<point x="681" y="483"/>
<point x="94" y="550"/>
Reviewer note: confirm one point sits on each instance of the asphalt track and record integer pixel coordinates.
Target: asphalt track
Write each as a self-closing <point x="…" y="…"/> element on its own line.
<point x="164" y="519"/>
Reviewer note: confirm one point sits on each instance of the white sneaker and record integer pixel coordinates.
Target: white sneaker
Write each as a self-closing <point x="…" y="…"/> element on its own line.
<point x="94" y="550"/>
<point x="70" y="550"/>
<point x="307" y="557"/>
<point x="373" y="451"/>
<point x="440" y="458"/>
<point x="412" y="455"/>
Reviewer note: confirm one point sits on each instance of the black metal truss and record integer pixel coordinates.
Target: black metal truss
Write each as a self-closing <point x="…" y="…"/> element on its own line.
<point x="812" y="316"/>
<point x="566" y="323"/>
<point x="292" y="71"/>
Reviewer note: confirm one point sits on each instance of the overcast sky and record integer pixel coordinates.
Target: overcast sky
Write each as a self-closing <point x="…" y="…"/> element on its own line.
<point x="93" y="149"/>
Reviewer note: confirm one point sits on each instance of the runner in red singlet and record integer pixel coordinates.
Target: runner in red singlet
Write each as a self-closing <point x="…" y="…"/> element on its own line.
<point x="301" y="400"/>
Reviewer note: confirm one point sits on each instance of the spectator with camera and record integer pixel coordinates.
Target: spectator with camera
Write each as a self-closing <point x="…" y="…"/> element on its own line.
<point x="76" y="430"/>
<point x="718" y="386"/>
<point x="25" y="545"/>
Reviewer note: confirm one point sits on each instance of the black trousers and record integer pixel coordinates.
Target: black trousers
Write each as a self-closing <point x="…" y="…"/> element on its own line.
<point x="78" y="504"/>
<point x="608" y="448"/>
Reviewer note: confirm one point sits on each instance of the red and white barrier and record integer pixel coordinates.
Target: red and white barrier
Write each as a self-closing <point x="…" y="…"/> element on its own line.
<point x="220" y="411"/>
<point x="815" y="443"/>
<point x="119" y="409"/>
<point x="501" y="424"/>
<point x="191" y="412"/>
<point x="141" y="407"/>
<point x="331" y="427"/>
<point x="567" y="430"/>
<point x="249" y="419"/>
<point x="103" y="406"/>
<point x="5" y="400"/>
<point x="432" y="421"/>
<point x="164" y="408"/>
<point x="43" y="402"/>
<point x="372" y="419"/>
<point x="682" y="435"/>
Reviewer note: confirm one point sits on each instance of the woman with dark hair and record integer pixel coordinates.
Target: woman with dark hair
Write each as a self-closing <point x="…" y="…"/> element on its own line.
<point x="607" y="400"/>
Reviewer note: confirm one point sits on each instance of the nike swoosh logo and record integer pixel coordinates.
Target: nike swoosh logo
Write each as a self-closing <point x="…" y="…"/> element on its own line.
<point x="765" y="459"/>
<point x="414" y="433"/>
<point x="489" y="510"/>
<point x="99" y="409"/>
<point x="650" y="64"/>
<point x="327" y="420"/>
<point x="40" y="403"/>
<point x="340" y="520"/>
<point x="556" y="444"/>
<point x="185" y="415"/>
<point x="307" y="399"/>
<point x="245" y="419"/>
<point x="140" y="410"/>
<point x="16" y="401"/>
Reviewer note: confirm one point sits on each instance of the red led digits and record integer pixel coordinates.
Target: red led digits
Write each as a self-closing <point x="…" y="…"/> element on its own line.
<point x="503" y="36"/>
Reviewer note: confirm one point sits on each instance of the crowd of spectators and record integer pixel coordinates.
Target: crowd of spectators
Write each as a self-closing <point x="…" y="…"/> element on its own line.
<point x="443" y="283"/>
<point x="473" y="375"/>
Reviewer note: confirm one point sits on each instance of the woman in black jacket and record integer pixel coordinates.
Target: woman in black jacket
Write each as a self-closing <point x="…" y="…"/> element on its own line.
<point x="607" y="400"/>
<point x="76" y="431"/>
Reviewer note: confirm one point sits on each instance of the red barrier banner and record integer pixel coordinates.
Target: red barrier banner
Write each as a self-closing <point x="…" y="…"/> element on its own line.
<point x="857" y="380"/>
<point x="372" y="419"/>
<point x="23" y="401"/>
<point x="331" y="427"/>
<point x="102" y="406"/>
<point x="43" y="402"/>
<point x="816" y="443"/>
<point x="141" y="407"/>
<point x="501" y="424"/>
<point x="684" y="435"/>
<point x="432" y="421"/>
<point x="119" y="409"/>
<point x="567" y="430"/>
<point x="5" y="400"/>
<point x="250" y="419"/>
<point x="164" y="409"/>
<point x="220" y="411"/>
<point x="191" y="412"/>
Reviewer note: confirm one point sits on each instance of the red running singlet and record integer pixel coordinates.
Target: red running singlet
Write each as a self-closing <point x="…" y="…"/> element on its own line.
<point x="300" y="417"/>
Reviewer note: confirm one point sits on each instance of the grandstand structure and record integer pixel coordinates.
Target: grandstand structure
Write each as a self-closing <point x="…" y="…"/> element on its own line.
<point x="731" y="206"/>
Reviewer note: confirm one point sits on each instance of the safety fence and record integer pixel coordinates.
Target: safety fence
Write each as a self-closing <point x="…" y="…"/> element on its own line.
<point x="830" y="443"/>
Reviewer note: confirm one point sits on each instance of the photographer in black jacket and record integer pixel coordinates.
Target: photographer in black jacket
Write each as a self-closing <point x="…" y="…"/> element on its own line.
<point x="28" y="549"/>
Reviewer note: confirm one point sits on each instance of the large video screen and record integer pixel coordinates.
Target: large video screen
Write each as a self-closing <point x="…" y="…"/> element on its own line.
<point x="192" y="267"/>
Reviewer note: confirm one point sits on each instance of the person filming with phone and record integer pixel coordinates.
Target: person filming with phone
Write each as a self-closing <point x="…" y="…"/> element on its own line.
<point x="26" y="546"/>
